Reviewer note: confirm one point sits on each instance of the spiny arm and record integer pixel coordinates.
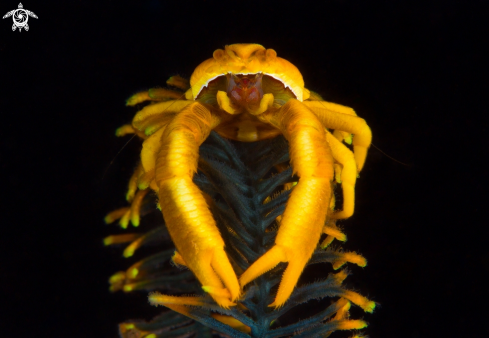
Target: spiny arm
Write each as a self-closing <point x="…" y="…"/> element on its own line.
<point x="308" y="205"/>
<point x="184" y="208"/>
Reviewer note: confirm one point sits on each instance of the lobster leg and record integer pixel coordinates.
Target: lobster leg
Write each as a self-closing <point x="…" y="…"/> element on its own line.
<point x="344" y="119"/>
<point x="187" y="216"/>
<point x="344" y="156"/>
<point x="308" y="205"/>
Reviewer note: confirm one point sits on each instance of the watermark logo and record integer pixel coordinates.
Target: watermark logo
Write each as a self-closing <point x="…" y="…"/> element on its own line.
<point x="20" y="17"/>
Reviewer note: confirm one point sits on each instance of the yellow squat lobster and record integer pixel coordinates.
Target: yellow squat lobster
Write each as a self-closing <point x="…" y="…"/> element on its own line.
<point x="245" y="93"/>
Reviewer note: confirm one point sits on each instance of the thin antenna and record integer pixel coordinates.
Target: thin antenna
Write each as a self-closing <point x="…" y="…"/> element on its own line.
<point x="111" y="162"/>
<point x="373" y="145"/>
<point x="392" y="158"/>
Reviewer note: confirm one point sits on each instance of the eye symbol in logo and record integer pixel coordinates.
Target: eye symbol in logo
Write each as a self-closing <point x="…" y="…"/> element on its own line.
<point x="20" y="17"/>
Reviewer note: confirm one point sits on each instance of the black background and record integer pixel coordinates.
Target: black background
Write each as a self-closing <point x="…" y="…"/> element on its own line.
<point x="415" y="70"/>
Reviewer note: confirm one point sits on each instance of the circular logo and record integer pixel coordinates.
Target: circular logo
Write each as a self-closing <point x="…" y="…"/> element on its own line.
<point x="20" y="17"/>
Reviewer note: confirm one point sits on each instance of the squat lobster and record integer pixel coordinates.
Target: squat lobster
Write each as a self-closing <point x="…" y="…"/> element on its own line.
<point x="245" y="93"/>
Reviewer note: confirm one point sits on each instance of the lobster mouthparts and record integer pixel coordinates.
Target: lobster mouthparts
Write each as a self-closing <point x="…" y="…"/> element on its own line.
<point x="245" y="90"/>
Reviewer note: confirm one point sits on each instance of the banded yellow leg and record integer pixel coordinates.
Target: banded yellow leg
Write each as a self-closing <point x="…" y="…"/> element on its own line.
<point x="187" y="216"/>
<point x="308" y="205"/>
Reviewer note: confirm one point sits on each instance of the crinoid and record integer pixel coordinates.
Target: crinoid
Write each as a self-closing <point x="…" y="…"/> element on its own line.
<point x="247" y="186"/>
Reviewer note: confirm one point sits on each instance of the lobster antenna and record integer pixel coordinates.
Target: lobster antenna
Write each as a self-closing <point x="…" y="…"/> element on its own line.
<point x="392" y="158"/>
<point x="382" y="152"/>
<point x="113" y="159"/>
